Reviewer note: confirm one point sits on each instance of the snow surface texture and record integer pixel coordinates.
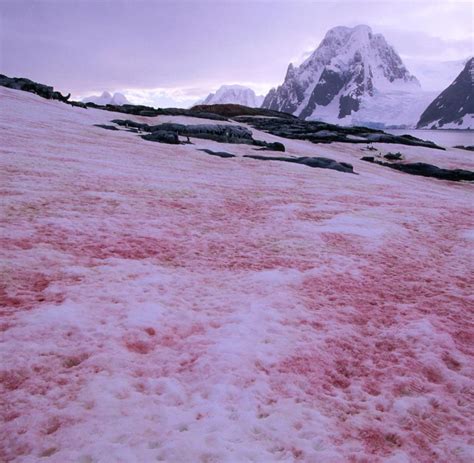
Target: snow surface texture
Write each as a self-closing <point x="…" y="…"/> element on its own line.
<point x="106" y="98"/>
<point x="353" y="77"/>
<point x="161" y="304"/>
<point x="234" y="94"/>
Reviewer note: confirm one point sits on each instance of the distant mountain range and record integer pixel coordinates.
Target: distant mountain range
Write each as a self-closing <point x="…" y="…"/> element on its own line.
<point x="354" y="77"/>
<point x="107" y="98"/>
<point x="234" y="94"/>
<point x="454" y="107"/>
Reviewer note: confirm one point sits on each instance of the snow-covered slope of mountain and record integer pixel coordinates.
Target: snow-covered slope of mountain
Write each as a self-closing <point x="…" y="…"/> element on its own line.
<point x="234" y="94"/>
<point x="353" y="75"/>
<point x="454" y="107"/>
<point x="107" y="98"/>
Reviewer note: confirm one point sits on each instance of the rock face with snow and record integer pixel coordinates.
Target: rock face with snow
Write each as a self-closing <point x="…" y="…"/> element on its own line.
<point x="346" y="79"/>
<point x="234" y="94"/>
<point x="454" y="107"/>
<point x="107" y="98"/>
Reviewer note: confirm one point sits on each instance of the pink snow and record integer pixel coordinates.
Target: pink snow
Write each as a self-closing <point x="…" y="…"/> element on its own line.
<point x="160" y="304"/>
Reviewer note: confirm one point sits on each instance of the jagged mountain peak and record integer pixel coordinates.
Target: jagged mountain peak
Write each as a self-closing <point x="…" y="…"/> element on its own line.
<point x="107" y="98"/>
<point x="234" y="94"/>
<point x="349" y="65"/>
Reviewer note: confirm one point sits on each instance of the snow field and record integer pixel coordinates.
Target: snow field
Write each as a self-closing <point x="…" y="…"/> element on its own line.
<point x="160" y="304"/>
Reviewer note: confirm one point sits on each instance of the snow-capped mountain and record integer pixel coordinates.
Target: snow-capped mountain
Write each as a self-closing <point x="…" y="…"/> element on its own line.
<point x="353" y="76"/>
<point x="454" y="107"/>
<point x="106" y="98"/>
<point x="234" y="94"/>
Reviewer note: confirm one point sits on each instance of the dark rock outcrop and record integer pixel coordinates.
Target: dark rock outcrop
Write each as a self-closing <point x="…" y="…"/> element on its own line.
<point x="220" y="154"/>
<point x="273" y="146"/>
<point x="321" y="132"/>
<point x="27" y="85"/>
<point x="105" y="126"/>
<point x="217" y="132"/>
<point x="426" y="170"/>
<point x="163" y="136"/>
<point x="318" y="162"/>
<point x="140" y="110"/>
<point x="393" y="156"/>
<point x="233" y="110"/>
<point x="467" y="147"/>
<point x="128" y="123"/>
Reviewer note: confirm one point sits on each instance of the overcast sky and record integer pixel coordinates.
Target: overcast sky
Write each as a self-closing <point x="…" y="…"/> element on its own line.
<point x="174" y="52"/>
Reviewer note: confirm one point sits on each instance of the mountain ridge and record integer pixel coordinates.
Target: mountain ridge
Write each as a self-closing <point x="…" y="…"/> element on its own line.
<point x="234" y="94"/>
<point x="349" y="68"/>
<point x="454" y="106"/>
<point x="107" y="98"/>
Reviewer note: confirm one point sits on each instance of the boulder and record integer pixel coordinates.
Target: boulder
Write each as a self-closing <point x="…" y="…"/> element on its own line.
<point x="393" y="156"/>
<point x="426" y="170"/>
<point x="107" y="127"/>
<point x="274" y="146"/>
<point x="162" y="136"/>
<point x="128" y="123"/>
<point x="168" y="126"/>
<point x="220" y="154"/>
<point x="318" y="162"/>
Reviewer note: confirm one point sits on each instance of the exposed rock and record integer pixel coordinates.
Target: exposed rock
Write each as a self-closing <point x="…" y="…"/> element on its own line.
<point x="454" y="107"/>
<point x="107" y="127"/>
<point x="393" y="156"/>
<point x="318" y="162"/>
<point x="274" y="146"/>
<point x="27" y="85"/>
<point x="220" y="154"/>
<point x="129" y="123"/>
<point x="426" y="170"/>
<point x="320" y="132"/>
<point x="233" y="110"/>
<point x="467" y="148"/>
<point x="79" y="104"/>
<point x="140" y="110"/>
<point x="217" y="132"/>
<point x="147" y="113"/>
<point x="163" y="136"/>
<point x="170" y="126"/>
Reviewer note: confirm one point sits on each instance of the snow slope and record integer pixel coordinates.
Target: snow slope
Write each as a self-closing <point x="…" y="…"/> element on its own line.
<point x="107" y="98"/>
<point x="160" y="304"/>
<point x="234" y="94"/>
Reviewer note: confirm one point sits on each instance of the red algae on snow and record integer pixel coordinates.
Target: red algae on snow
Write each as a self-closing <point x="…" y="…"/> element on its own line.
<point x="161" y="305"/>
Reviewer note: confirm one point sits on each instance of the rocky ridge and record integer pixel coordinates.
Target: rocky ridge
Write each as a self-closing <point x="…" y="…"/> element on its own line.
<point x="454" y="107"/>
